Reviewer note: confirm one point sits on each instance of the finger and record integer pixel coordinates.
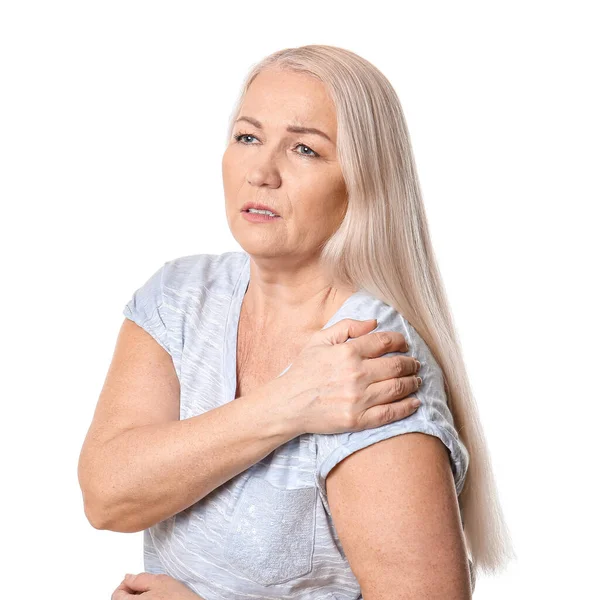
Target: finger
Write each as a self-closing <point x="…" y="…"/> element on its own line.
<point x="388" y="413"/>
<point x="389" y="367"/>
<point x="378" y="343"/>
<point x="142" y="582"/>
<point x="345" y="329"/>
<point x="122" y="593"/>
<point x="391" y="390"/>
<point x="123" y="587"/>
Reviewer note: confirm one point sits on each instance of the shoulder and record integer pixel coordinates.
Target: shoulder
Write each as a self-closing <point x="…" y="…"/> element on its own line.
<point x="176" y="295"/>
<point x="197" y="273"/>
<point x="366" y="306"/>
<point x="197" y="288"/>
<point x="433" y="417"/>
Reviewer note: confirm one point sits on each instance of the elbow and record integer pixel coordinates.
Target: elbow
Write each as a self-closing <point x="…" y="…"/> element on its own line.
<point x="104" y="519"/>
<point x="91" y="506"/>
<point x="107" y="517"/>
<point x="91" y="496"/>
<point x="94" y="518"/>
<point x="96" y="507"/>
<point x="106" y="512"/>
<point x="95" y="510"/>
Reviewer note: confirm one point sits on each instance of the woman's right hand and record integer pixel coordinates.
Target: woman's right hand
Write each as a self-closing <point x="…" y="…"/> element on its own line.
<point x="338" y="387"/>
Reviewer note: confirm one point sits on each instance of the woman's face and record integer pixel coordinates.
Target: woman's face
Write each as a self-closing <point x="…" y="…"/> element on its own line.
<point x="296" y="174"/>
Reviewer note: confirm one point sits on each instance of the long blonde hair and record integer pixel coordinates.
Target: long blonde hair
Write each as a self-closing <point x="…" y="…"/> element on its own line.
<point x="383" y="246"/>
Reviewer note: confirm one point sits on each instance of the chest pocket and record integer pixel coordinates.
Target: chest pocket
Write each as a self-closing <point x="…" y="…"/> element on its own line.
<point x="271" y="535"/>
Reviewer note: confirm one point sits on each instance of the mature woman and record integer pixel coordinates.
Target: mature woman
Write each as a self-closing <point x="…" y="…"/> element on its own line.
<point x="243" y="385"/>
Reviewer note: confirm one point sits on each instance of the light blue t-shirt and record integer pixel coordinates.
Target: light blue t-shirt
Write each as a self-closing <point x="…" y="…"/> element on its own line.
<point x="268" y="531"/>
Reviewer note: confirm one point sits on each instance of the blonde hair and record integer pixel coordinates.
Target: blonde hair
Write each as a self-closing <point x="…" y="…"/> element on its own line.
<point x="383" y="246"/>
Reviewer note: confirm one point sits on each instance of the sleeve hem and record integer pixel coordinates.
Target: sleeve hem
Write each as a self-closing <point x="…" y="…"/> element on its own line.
<point x="127" y="312"/>
<point x="343" y="451"/>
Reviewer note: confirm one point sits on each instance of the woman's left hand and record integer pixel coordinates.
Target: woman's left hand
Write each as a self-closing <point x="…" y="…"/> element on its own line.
<point x="153" y="587"/>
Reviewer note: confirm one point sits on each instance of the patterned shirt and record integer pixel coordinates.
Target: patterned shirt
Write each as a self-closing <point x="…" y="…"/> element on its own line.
<point x="267" y="532"/>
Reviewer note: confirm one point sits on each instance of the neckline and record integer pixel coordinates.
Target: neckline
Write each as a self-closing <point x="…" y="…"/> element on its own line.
<point x="231" y="329"/>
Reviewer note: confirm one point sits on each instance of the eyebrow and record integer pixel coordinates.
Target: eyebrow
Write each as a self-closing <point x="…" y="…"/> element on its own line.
<point x="290" y="128"/>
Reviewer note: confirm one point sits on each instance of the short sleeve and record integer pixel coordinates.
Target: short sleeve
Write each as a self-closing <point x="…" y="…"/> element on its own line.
<point x="147" y="310"/>
<point x="432" y="417"/>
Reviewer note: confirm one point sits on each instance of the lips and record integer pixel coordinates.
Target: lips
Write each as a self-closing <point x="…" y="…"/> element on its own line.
<point x="259" y="207"/>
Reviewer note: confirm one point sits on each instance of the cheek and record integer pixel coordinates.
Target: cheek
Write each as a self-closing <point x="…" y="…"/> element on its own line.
<point x="338" y="195"/>
<point x="224" y="166"/>
<point x="333" y="198"/>
<point x="320" y="198"/>
<point x="230" y="167"/>
<point x="226" y="162"/>
<point x="232" y="157"/>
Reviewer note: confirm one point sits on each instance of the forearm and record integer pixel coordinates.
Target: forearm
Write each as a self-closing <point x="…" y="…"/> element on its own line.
<point x="147" y="474"/>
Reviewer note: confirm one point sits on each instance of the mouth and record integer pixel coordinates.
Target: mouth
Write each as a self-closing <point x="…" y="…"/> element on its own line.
<point x="259" y="216"/>
<point x="262" y="209"/>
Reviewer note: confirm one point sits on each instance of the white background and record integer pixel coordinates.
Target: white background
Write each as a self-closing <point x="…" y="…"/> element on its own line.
<point x="112" y="125"/>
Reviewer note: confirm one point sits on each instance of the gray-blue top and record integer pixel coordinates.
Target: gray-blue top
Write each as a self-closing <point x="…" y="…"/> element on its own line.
<point x="268" y="531"/>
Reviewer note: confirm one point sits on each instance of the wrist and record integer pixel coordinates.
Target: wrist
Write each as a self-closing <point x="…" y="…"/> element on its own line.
<point x="283" y="411"/>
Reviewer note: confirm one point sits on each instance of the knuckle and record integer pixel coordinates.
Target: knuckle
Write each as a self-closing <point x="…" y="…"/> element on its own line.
<point x="391" y="413"/>
<point x="396" y="387"/>
<point x="351" y="393"/>
<point x="355" y="377"/>
<point x="397" y="366"/>
<point x="383" y="337"/>
<point x="349" y="418"/>
<point x="348" y="352"/>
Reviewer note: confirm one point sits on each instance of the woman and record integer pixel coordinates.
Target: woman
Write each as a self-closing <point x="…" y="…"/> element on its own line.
<point x="241" y="382"/>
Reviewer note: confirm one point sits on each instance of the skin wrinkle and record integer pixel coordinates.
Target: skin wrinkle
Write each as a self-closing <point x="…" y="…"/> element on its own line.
<point x="288" y="297"/>
<point x="308" y="192"/>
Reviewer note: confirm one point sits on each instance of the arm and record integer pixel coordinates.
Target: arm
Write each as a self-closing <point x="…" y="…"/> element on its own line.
<point x="395" y="509"/>
<point x="140" y="464"/>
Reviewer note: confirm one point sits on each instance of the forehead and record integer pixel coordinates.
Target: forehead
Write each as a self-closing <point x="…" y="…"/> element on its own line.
<point x="278" y="98"/>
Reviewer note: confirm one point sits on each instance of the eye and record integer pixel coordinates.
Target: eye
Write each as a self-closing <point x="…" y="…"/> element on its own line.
<point x="314" y="155"/>
<point x="239" y="138"/>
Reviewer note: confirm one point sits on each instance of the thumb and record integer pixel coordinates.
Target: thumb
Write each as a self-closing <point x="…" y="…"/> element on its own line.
<point x="142" y="582"/>
<point x="348" y="328"/>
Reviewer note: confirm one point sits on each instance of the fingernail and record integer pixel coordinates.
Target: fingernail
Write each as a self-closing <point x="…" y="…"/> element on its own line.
<point x="416" y="403"/>
<point x="129" y="577"/>
<point x="419" y="381"/>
